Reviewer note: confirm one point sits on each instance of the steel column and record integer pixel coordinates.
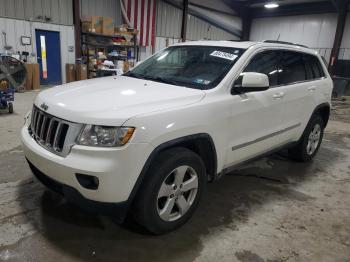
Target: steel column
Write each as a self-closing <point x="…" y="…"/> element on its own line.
<point x="77" y="27"/>
<point x="184" y="20"/>
<point x="246" y="25"/>
<point x="342" y="13"/>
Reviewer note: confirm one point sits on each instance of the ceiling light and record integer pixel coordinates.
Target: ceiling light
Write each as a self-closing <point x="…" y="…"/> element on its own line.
<point x="271" y="5"/>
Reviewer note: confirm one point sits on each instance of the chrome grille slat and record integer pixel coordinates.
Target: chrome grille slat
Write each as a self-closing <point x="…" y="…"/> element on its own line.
<point x="36" y="130"/>
<point x="42" y="130"/>
<point x="35" y="119"/>
<point x="47" y="131"/>
<point x="57" y="135"/>
<point x="48" y="135"/>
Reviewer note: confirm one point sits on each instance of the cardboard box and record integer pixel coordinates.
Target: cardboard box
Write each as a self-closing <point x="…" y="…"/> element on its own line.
<point x="29" y="77"/>
<point x="108" y="26"/>
<point x="36" y="76"/>
<point x="96" y="22"/>
<point x="126" y="66"/>
<point x="81" y="72"/>
<point x="92" y="24"/>
<point x="70" y="73"/>
<point x="86" y="26"/>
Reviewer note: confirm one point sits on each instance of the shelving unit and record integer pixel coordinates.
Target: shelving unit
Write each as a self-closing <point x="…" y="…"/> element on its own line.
<point x="105" y="44"/>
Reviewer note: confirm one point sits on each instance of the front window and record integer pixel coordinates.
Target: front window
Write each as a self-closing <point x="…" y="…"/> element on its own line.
<point x="201" y="67"/>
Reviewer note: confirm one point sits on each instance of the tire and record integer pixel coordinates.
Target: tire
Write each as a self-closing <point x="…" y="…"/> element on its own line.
<point x="305" y="150"/>
<point x="10" y="108"/>
<point x="163" y="178"/>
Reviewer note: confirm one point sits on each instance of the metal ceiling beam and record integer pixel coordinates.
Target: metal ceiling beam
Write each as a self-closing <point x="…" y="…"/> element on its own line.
<point x="297" y="9"/>
<point x="213" y="9"/>
<point x="205" y="18"/>
<point x="243" y="11"/>
<point x="338" y="4"/>
<point x="237" y="6"/>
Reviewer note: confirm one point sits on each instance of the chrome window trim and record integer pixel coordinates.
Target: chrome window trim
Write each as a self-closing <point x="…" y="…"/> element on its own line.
<point x="283" y="49"/>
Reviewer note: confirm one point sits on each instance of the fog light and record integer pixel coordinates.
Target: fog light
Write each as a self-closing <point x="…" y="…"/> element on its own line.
<point x="88" y="182"/>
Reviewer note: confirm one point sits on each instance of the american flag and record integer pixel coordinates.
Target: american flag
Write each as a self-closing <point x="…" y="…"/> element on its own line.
<point x="142" y="14"/>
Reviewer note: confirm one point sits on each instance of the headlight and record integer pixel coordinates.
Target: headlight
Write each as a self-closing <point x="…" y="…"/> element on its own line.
<point x="107" y="136"/>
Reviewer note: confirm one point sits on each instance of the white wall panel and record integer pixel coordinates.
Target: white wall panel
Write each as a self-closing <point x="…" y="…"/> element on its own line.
<point x="168" y="20"/>
<point x="60" y="11"/>
<point x="316" y="31"/>
<point x="16" y="28"/>
<point x="198" y="29"/>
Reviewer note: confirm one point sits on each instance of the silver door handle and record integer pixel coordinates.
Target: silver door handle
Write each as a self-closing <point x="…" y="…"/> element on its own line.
<point x="278" y="95"/>
<point x="311" y="88"/>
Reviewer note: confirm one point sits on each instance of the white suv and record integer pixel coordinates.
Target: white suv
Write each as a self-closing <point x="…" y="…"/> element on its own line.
<point x="149" y="141"/>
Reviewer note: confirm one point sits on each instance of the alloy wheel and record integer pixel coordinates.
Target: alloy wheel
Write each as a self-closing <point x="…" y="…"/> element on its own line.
<point x="313" y="140"/>
<point x="177" y="193"/>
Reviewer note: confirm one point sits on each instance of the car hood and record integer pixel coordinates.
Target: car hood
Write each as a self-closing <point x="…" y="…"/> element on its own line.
<point x="113" y="100"/>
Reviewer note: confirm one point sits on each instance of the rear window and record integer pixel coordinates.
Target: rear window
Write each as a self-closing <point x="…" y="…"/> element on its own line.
<point x="292" y="68"/>
<point x="315" y="69"/>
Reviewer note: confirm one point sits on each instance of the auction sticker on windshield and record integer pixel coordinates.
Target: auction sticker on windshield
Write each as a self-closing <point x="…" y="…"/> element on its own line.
<point x="224" y="55"/>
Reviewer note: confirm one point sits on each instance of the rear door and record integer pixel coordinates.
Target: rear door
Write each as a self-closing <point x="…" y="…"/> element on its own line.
<point x="297" y="86"/>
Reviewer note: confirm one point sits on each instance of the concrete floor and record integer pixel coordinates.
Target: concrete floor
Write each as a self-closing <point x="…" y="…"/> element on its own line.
<point x="270" y="210"/>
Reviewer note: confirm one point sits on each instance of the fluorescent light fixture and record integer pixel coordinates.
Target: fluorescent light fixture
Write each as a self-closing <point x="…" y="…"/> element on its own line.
<point x="271" y="5"/>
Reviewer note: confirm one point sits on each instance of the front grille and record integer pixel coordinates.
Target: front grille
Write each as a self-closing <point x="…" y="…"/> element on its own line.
<point x="53" y="133"/>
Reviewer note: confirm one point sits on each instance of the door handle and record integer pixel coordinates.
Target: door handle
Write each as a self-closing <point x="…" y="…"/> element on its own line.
<point x="278" y="95"/>
<point x="311" y="88"/>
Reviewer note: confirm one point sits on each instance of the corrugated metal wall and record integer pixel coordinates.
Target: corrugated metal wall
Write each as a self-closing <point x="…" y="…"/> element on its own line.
<point x="109" y="8"/>
<point x="168" y="23"/>
<point x="60" y="11"/>
<point x="198" y="29"/>
<point x="316" y="31"/>
<point x="169" y="19"/>
<point x="16" y="28"/>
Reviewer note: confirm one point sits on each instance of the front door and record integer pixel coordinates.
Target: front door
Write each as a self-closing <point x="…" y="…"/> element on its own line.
<point x="49" y="57"/>
<point x="257" y="117"/>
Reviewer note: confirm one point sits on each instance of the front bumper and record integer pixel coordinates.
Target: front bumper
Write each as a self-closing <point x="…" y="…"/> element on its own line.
<point x="116" y="168"/>
<point x="116" y="210"/>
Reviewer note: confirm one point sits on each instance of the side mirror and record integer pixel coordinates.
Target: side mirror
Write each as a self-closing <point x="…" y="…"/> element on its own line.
<point x="252" y="82"/>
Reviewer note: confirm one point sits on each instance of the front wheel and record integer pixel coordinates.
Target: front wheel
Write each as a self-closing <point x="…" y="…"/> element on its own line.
<point x="310" y="142"/>
<point x="172" y="190"/>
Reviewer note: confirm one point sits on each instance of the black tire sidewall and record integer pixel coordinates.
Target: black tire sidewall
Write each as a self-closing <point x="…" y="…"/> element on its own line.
<point x="156" y="175"/>
<point x="314" y="121"/>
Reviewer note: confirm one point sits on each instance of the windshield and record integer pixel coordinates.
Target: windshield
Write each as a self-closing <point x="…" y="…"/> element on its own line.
<point x="201" y="67"/>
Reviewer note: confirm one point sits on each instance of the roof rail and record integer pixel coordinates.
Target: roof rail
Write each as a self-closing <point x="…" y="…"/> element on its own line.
<point x="283" y="42"/>
<point x="237" y="40"/>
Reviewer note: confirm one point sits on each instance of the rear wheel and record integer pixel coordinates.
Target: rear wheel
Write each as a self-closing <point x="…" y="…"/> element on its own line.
<point x="171" y="193"/>
<point x="310" y="142"/>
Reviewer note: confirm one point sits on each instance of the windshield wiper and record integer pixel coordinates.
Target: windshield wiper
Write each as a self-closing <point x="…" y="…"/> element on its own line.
<point x="131" y="74"/>
<point x="160" y="79"/>
<point x="152" y="78"/>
